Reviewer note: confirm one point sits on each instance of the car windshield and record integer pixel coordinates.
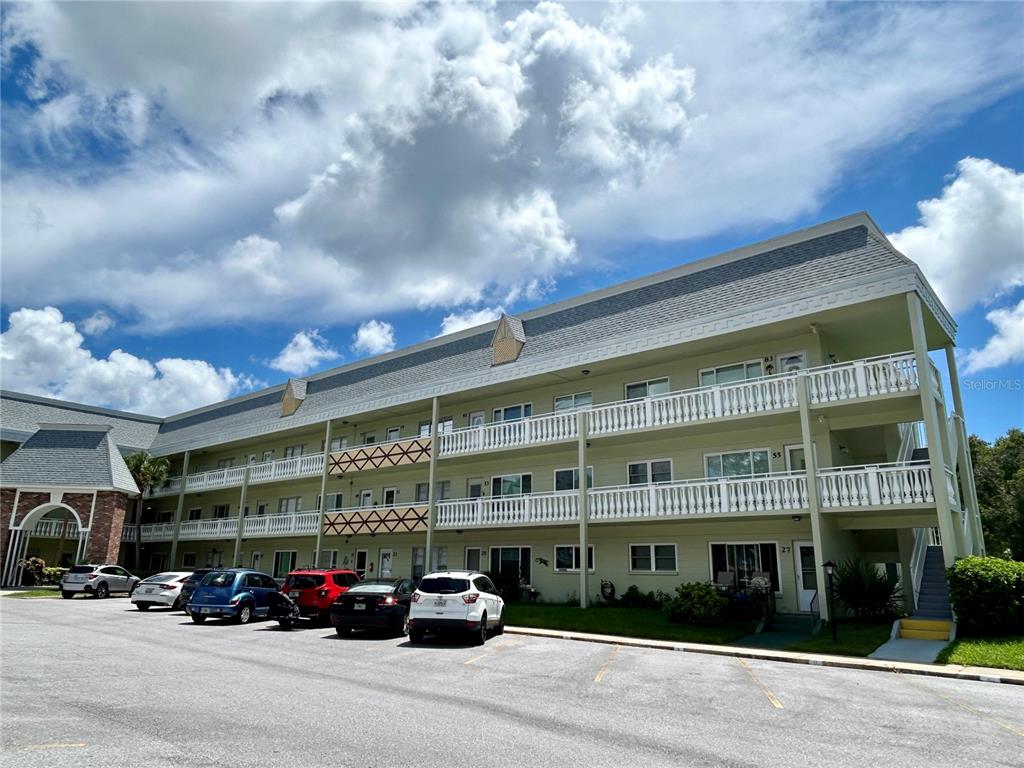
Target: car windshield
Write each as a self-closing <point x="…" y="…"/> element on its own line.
<point x="219" y="579"/>
<point x="304" y="580"/>
<point x="81" y="569"/>
<point x="377" y="586"/>
<point x="163" y="577"/>
<point x="444" y="585"/>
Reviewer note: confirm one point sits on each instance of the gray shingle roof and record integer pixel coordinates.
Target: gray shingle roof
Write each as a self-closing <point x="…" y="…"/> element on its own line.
<point x="691" y="293"/>
<point x="21" y="415"/>
<point x="69" y="457"/>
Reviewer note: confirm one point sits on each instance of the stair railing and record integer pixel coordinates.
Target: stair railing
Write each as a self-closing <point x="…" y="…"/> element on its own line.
<point x="918" y="553"/>
<point x="815" y="612"/>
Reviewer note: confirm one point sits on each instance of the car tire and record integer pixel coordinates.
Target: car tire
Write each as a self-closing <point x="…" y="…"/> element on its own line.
<point x="416" y="636"/>
<point x="142" y="606"/>
<point x="131" y="589"/>
<point x="343" y="631"/>
<point x="244" y="613"/>
<point x="480" y="635"/>
<point x="403" y="630"/>
<point x="67" y="595"/>
<point x="198" y="619"/>
<point x="176" y="605"/>
<point x="500" y="629"/>
<point x="285" y="623"/>
<point x="102" y="591"/>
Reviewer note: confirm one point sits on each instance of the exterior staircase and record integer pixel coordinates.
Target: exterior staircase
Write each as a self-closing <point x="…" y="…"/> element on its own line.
<point x="933" y="619"/>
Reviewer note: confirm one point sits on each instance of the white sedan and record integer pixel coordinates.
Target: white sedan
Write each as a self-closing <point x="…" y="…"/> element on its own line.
<point x="164" y="589"/>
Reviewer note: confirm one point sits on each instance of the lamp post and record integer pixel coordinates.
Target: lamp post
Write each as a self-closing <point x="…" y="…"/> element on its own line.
<point x="830" y="568"/>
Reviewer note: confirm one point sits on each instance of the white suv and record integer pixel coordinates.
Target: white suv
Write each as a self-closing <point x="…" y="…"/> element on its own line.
<point x="96" y="580"/>
<point x="456" y="600"/>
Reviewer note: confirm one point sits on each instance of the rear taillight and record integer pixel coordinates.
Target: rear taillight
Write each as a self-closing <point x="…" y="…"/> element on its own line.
<point x="389" y="600"/>
<point x="91" y="576"/>
<point x="165" y="586"/>
<point x="470" y="598"/>
<point x="415" y="597"/>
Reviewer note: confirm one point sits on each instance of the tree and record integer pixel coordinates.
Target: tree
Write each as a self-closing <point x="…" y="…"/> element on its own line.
<point x="999" y="478"/>
<point x="148" y="473"/>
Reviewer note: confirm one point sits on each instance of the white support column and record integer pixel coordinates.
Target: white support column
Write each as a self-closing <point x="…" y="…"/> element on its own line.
<point x="813" y="504"/>
<point x="428" y="564"/>
<point x="583" y="501"/>
<point x="178" y="511"/>
<point x="241" y="518"/>
<point x="936" y="460"/>
<point x="970" y="490"/>
<point x="323" y="496"/>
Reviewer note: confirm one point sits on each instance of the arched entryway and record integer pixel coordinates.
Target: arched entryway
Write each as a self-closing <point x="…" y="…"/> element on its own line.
<point x="46" y="518"/>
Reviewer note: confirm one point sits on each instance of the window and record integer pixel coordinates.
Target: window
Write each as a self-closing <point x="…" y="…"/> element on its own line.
<point x="289" y="505"/>
<point x="477" y="418"/>
<point x="366" y="498"/>
<point x="262" y="507"/>
<point x="329" y="559"/>
<point x="513" y="412"/>
<point x="390" y="497"/>
<point x="257" y="560"/>
<point x="643" y="472"/>
<point x="225" y="463"/>
<point x="422" y="493"/>
<point x="510" y="564"/>
<point x="641" y="389"/>
<point x="253" y="458"/>
<point x="439" y="561"/>
<point x="474" y="488"/>
<point x="369" y="438"/>
<point x="337" y="444"/>
<point x="792" y="361"/>
<point x="268" y="456"/>
<point x="472" y="558"/>
<point x="283" y="563"/>
<point x="511" y="485"/>
<point x="795" y="460"/>
<point x="446" y="426"/>
<point x="744" y="559"/>
<point x="221" y="510"/>
<point x="652" y="558"/>
<point x="188" y="560"/>
<point x="360" y="568"/>
<point x="294" y="451"/>
<point x="394" y="433"/>
<point x="333" y="501"/>
<point x="730" y="374"/>
<point x="443" y="489"/>
<point x="424" y="429"/>
<point x="737" y="463"/>
<point x="569" y="479"/>
<point x="165" y="516"/>
<point x="567" y="558"/>
<point x="572" y="402"/>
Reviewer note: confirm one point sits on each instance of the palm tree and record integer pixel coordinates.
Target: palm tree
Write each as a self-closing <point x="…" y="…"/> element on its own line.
<point x="148" y="473"/>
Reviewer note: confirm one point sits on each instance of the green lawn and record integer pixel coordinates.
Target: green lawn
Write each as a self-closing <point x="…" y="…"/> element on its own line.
<point x="627" y="622"/>
<point x="1002" y="652"/>
<point x="33" y="593"/>
<point x="853" y="639"/>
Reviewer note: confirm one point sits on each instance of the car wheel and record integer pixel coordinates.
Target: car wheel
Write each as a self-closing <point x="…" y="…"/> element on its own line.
<point x="102" y="591"/>
<point x="198" y="619"/>
<point x="416" y="636"/>
<point x="142" y="606"/>
<point x="481" y="636"/>
<point x="500" y="629"/>
<point x="405" y="626"/>
<point x="343" y="631"/>
<point x="67" y="595"/>
<point x="285" y="623"/>
<point x="176" y="605"/>
<point x="244" y="614"/>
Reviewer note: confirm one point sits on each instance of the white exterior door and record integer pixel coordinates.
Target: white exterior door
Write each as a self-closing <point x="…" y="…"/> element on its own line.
<point x="386" y="556"/>
<point x="806" y="574"/>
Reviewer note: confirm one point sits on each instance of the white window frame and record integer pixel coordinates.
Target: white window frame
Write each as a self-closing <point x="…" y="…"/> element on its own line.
<point x="295" y="559"/>
<point x="445" y="425"/>
<point x="479" y="557"/>
<point x="393" y="489"/>
<point x="647" y="384"/>
<point x="650" y="473"/>
<point x="392" y="434"/>
<point x="366" y="562"/>
<point x="256" y="561"/>
<point x="442" y="490"/>
<point x="268" y="456"/>
<point x="574" y="406"/>
<point x="592" y="556"/>
<point x="785" y="454"/>
<point x="512" y="546"/>
<point x="421" y="487"/>
<point x="198" y="515"/>
<point x="576" y="479"/>
<point x="284" y="502"/>
<point x="751" y="451"/>
<point x="716" y="368"/>
<point x="503" y="408"/>
<point x="778" y="556"/>
<point x="337" y="444"/>
<point x="225" y="507"/>
<point x="483" y="487"/>
<point x="226" y="463"/>
<point x="369" y="438"/>
<point x="653" y="571"/>
<point x="362" y="495"/>
<point x="797" y="353"/>
<point x="477" y="418"/>
<point x="332" y="561"/>
<point x="424" y="428"/>
<point x="294" y="451"/>
<point x="520" y="475"/>
<point x="262" y="506"/>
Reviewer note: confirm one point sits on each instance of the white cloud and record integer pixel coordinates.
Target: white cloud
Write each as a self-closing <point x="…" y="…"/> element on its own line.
<point x="97" y="323"/>
<point x="305" y="351"/>
<point x="374" y="337"/>
<point x="42" y="353"/>
<point x="470" y="318"/>
<point x="1005" y="346"/>
<point x="340" y="161"/>
<point x="970" y="242"/>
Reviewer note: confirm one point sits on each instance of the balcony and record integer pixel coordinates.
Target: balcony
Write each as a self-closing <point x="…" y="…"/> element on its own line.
<point x="311" y="465"/>
<point x="298" y="524"/>
<point x="872" y="377"/>
<point x="871" y="486"/>
<point x="394" y="453"/>
<point x="374" y="520"/>
<point x="56" y="529"/>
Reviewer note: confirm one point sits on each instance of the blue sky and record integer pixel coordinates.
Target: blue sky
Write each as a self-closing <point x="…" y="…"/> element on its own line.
<point x="257" y="216"/>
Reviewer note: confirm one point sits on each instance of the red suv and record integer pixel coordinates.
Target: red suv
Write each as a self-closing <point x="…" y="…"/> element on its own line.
<point x="314" y="589"/>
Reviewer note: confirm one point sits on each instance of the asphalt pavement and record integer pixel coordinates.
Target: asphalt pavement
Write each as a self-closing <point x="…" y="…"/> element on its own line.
<point x="97" y="683"/>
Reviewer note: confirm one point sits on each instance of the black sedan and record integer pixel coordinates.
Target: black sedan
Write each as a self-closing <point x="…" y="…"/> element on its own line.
<point x="382" y="604"/>
<point x="189" y="586"/>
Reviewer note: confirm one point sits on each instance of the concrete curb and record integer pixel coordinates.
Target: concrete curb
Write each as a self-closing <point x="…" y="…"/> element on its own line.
<point x="948" y="671"/>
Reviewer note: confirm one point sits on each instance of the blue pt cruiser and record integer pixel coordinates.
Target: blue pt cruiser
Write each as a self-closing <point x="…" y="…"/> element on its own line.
<point x="234" y="593"/>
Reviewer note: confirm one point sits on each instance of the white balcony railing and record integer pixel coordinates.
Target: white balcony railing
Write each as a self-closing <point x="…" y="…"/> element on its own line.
<point x="876" y="485"/>
<point x="889" y="374"/>
<point x="496" y="511"/>
<point x="309" y="465"/>
<point x="54" y="529"/>
<point x="281" y="525"/>
<point x="298" y="524"/>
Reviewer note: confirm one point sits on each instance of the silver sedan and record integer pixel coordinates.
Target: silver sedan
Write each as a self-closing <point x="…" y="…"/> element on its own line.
<point x="164" y="589"/>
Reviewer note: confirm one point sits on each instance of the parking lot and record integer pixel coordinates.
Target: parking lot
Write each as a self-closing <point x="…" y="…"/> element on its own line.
<point x="97" y="683"/>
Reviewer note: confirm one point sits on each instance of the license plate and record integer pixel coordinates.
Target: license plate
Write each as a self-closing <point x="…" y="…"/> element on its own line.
<point x="440" y="603"/>
<point x="359" y="606"/>
<point x="207" y="610"/>
<point x="293" y="595"/>
<point x="149" y="590"/>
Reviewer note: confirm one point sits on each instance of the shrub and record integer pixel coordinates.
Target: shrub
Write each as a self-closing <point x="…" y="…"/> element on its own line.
<point x="52" y="575"/>
<point x="987" y="594"/>
<point x="696" y="603"/>
<point x="32" y="571"/>
<point x="634" y="598"/>
<point x="865" y="591"/>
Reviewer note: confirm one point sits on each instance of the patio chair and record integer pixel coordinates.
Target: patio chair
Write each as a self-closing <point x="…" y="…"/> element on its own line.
<point x="725" y="581"/>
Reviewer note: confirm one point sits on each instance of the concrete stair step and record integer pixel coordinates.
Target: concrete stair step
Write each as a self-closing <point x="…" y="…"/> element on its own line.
<point x="932" y="625"/>
<point x="924" y="634"/>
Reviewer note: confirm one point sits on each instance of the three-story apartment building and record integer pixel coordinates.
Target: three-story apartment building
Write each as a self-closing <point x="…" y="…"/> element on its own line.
<point x="755" y="413"/>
